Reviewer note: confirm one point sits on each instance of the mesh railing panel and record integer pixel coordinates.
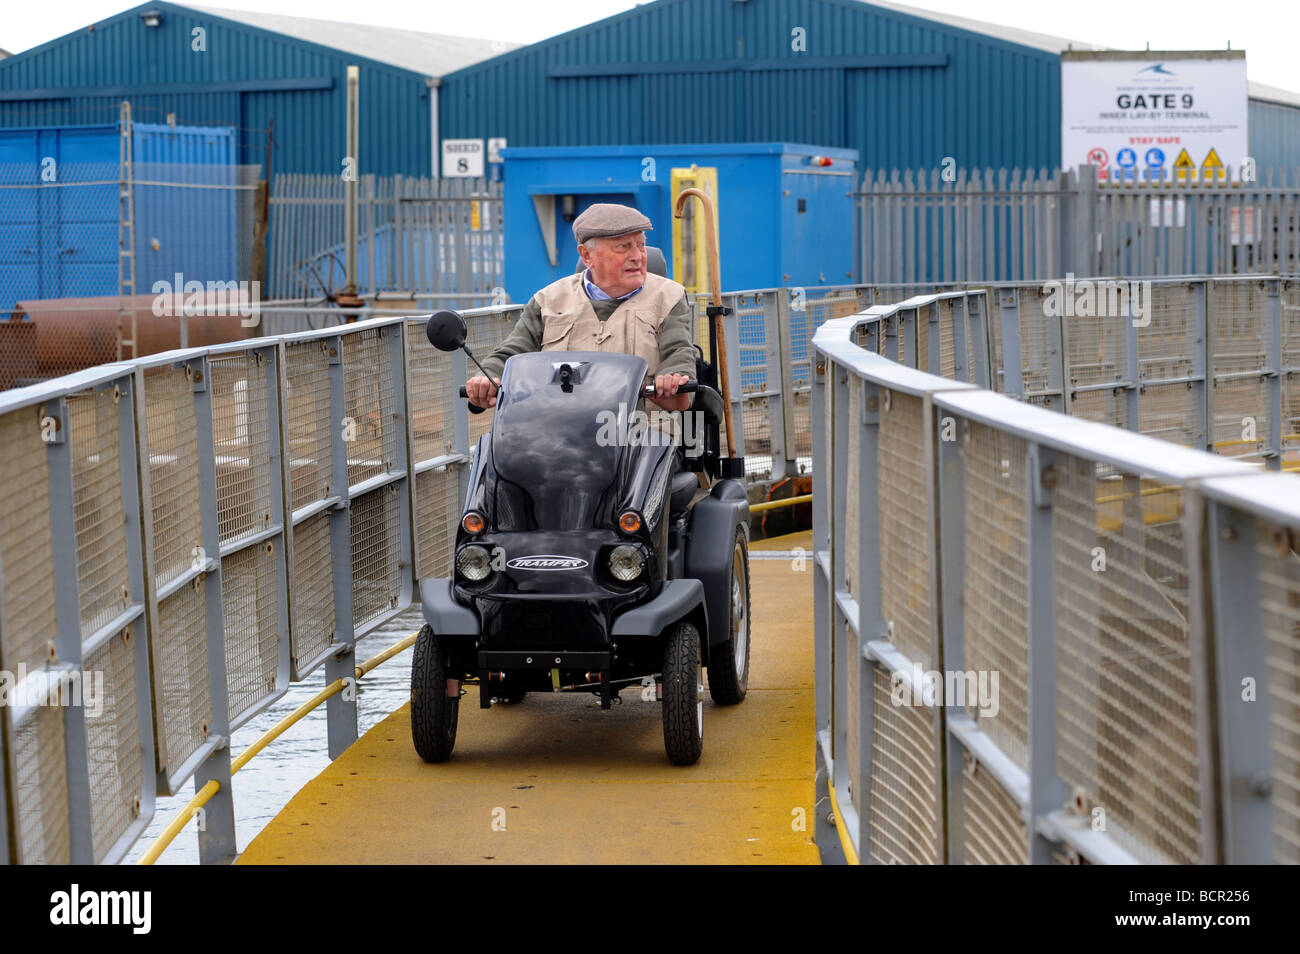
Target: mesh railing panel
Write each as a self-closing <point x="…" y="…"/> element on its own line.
<point x="947" y="341"/>
<point x="996" y="589"/>
<point x="29" y="625"/>
<point x="1278" y="552"/>
<point x="1170" y="412"/>
<point x="1239" y="336"/>
<point x="1168" y="342"/>
<point x="853" y="728"/>
<point x="376" y="553"/>
<point x="1104" y="407"/>
<point x="437" y="508"/>
<point x="249" y="599"/>
<point x="431" y="397"/>
<point x="370" y="428"/>
<point x="483" y="334"/>
<point x="97" y="503"/>
<point x="1037" y="352"/>
<point x="39" y="780"/>
<point x="308" y="419"/>
<point x="903" y="823"/>
<point x="182" y="694"/>
<point x="993" y="830"/>
<point x="173" y="476"/>
<point x="905" y="508"/>
<point x="1126" y="729"/>
<point x="312" y="592"/>
<point x="242" y="443"/>
<point x="113" y="744"/>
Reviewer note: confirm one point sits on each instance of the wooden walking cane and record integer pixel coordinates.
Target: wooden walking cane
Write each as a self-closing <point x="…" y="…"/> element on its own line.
<point x="717" y="311"/>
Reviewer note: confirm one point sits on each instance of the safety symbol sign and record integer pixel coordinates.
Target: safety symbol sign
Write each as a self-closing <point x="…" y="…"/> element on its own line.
<point x="1212" y="167"/>
<point x="1155" y="160"/>
<point x="1184" y="166"/>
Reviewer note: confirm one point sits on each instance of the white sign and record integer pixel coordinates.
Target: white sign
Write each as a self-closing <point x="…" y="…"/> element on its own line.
<point x="462" y="157"/>
<point x="1154" y="116"/>
<point x="494" y="149"/>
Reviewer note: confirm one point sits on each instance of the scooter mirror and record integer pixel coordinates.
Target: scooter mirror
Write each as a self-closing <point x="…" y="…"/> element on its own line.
<point x="446" y="330"/>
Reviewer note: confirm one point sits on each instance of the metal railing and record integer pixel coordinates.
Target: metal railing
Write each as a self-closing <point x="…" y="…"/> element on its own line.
<point x="187" y="533"/>
<point x="1040" y="639"/>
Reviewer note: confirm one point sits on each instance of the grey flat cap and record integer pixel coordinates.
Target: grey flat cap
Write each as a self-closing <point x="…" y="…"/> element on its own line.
<point x="607" y="218"/>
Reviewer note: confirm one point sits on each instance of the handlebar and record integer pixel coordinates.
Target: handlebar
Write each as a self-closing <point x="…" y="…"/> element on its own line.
<point x="647" y="391"/>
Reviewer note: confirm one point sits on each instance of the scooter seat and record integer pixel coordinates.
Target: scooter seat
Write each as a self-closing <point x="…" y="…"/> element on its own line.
<point x="684" y="485"/>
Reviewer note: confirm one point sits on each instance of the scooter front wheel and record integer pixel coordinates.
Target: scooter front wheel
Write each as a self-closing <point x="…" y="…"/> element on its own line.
<point x="683" y="700"/>
<point x="433" y="714"/>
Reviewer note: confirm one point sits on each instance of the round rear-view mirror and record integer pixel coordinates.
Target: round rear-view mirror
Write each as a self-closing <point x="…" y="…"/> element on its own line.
<point x="446" y="330"/>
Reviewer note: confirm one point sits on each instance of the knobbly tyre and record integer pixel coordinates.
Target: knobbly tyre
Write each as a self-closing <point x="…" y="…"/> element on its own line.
<point x="583" y="564"/>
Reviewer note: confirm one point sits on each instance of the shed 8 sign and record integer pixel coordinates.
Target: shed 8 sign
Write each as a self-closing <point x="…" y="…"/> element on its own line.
<point x="462" y="157"/>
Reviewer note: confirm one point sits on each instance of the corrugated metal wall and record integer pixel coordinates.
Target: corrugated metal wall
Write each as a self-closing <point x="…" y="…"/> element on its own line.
<point x="243" y="78"/>
<point x="1274" y="136"/>
<point x="901" y="90"/>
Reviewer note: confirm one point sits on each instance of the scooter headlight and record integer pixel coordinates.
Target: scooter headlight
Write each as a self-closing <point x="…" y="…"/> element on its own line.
<point x="474" y="563"/>
<point x="626" y="563"/>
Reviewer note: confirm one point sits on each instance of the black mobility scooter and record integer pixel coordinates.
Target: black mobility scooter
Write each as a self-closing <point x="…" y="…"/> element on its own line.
<point x="592" y="554"/>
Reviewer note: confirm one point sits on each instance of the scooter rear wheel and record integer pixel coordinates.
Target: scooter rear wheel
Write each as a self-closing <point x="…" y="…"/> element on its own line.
<point x="433" y="714"/>
<point x="729" y="661"/>
<point x="683" y="700"/>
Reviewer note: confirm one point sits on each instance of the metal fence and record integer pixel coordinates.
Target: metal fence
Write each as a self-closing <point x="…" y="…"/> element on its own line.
<point x="187" y="533"/>
<point x="416" y="236"/>
<point x="933" y="225"/>
<point x="1040" y="639"/>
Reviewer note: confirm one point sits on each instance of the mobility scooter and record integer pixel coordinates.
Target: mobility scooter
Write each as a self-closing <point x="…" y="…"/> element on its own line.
<point x="591" y="555"/>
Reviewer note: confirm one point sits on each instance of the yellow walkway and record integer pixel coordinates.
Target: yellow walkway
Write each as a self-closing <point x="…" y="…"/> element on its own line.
<point x="556" y="780"/>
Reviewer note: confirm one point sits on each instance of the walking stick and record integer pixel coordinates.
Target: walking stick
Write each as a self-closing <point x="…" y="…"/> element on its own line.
<point x="715" y="311"/>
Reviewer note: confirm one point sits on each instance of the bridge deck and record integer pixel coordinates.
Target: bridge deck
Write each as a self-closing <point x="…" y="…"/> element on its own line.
<point x="573" y="784"/>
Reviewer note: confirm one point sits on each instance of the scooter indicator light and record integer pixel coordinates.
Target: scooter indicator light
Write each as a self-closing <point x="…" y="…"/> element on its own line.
<point x="472" y="522"/>
<point x="630" y="522"/>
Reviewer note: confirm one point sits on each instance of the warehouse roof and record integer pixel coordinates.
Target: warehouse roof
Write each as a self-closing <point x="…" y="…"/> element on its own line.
<point x="1056" y="44"/>
<point x="430" y="53"/>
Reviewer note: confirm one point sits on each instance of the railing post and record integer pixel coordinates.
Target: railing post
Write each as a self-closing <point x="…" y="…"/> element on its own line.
<point x="1200" y="368"/>
<point x="869" y="597"/>
<point x="1132" y="371"/>
<point x="1012" y="379"/>
<point x="1046" y="791"/>
<point x="341" y="708"/>
<point x="1273" y="459"/>
<point x="67" y="640"/>
<point x="1205" y="319"/>
<point x="1237" y="648"/>
<point x="780" y="407"/>
<point x="961" y="370"/>
<point x="217" y="831"/>
<point x="951" y="471"/>
<point x="839" y="491"/>
<point x="977" y="325"/>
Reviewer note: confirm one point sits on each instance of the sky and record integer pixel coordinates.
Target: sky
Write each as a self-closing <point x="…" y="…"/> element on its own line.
<point x="1266" y="29"/>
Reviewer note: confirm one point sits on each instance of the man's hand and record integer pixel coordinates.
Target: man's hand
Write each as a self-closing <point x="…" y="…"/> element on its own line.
<point x="666" y="395"/>
<point x="481" y="391"/>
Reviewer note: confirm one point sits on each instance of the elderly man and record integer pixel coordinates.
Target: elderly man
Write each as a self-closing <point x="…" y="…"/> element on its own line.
<point x="613" y="305"/>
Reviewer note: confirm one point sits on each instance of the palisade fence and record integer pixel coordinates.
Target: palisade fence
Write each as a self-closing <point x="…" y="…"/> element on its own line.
<point x="1026" y="224"/>
<point x="1208" y="363"/>
<point x="416" y="236"/>
<point x="1137" y="603"/>
<point x="192" y="531"/>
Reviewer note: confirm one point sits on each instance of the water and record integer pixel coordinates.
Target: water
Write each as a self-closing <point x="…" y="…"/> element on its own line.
<point x="266" y="784"/>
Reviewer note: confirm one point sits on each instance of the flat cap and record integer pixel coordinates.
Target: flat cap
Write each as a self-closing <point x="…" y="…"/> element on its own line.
<point x="607" y="218"/>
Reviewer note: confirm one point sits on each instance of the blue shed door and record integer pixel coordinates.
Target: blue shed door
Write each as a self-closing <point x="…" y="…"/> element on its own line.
<point x="59" y="218"/>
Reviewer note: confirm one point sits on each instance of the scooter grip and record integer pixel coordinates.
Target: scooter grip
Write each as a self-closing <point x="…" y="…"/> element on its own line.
<point x="650" y="391"/>
<point x="473" y="408"/>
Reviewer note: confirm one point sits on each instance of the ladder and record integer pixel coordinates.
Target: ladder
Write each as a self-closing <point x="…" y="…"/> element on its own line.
<point x="125" y="239"/>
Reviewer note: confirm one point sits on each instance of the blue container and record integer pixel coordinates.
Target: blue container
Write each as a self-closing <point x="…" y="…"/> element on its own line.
<point x="59" y="209"/>
<point x="782" y="220"/>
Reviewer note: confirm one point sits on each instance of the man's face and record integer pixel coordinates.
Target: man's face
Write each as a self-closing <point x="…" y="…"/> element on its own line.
<point x="617" y="264"/>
